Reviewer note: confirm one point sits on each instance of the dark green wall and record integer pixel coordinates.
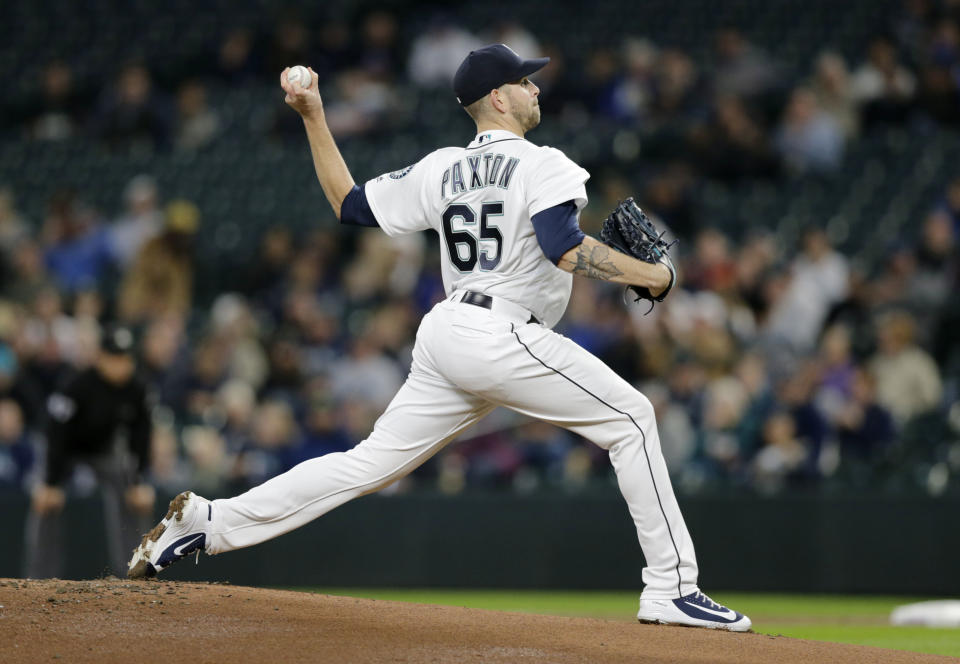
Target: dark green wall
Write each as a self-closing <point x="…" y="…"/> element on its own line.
<point x="812" y="544"/>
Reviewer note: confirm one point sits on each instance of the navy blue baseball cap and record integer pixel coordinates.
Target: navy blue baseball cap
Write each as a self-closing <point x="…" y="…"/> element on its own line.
<point x="490" y="67"/>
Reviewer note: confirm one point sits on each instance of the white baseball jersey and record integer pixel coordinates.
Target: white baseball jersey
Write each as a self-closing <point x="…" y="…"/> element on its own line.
<point x="480" y="200"/>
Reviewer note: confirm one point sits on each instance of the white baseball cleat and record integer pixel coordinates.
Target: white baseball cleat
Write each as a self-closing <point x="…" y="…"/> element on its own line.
<point x="181" y="532"/>
<point x="693" y="610"/>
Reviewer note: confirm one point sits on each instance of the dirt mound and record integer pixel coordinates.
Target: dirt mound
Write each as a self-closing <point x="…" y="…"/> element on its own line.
<point x="111" y="620"/>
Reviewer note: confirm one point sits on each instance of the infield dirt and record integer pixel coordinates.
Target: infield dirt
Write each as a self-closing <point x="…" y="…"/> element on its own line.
<point x="112" y="620"/>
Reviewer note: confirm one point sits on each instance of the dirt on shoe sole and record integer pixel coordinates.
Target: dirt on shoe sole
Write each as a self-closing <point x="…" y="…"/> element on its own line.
<point x="142" y="569"/>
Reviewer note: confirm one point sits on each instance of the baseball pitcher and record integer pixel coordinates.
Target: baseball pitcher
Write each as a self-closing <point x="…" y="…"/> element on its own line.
<point x="507" y="213"/>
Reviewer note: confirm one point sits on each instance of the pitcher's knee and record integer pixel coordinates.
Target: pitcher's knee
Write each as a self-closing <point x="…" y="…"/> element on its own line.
<point x="625" y="425"/>
<point x="641" y="408"/>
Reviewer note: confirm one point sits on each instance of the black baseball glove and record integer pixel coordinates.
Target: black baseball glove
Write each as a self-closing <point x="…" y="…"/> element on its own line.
<point x="628" y="230"/>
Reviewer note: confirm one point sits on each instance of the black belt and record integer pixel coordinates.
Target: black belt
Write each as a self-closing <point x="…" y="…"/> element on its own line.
<point x="486" y="301"/>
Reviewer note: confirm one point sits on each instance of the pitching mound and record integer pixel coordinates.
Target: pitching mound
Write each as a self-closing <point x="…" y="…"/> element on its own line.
<point x="110" y="620"/>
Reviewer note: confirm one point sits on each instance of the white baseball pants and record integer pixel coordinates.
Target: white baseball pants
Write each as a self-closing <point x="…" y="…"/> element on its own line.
<point x="467" y="360"/>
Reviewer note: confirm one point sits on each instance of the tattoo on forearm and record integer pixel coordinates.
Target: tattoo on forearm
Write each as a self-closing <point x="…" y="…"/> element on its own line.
<point x="594" y="262"/>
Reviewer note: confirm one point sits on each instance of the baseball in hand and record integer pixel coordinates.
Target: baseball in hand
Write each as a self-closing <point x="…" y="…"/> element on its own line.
<point x="300" y="74"/>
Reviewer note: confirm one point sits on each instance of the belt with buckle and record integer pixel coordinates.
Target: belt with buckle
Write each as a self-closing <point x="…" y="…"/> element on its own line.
<point x="486" y="301"/>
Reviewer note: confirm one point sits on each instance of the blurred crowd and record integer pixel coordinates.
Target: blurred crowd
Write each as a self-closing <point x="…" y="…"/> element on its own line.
<point x="742" y="113"/>
<point x="770" y="367"/>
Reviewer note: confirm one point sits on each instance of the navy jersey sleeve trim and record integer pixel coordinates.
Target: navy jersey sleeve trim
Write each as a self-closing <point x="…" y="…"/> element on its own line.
<point x="558" y="230"/>
<point x="355" y="209"/>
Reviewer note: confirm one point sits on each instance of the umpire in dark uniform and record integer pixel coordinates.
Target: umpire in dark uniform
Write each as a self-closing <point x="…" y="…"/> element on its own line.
<point x="100" y="418"/>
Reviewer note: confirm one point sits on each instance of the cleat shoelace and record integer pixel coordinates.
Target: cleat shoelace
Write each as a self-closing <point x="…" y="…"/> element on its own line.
<point x="706" y="600"/>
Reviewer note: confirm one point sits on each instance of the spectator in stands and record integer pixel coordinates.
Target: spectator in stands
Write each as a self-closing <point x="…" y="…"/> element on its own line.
<point x="676" y="101"/>
<point x="160" y="280"/>
<point x="285" y="376"/>
<point x="733" y="144"/>
<point x="76" y="249"/>
<point x="165" y="360"/>
<point x="555" y="84"/>
<point x="677" y="434"/>
<point x="205" y="374"/>
<point x="236" y="401"/>
<point x="266" y="273"/>
<point x="818" y="279"/>
<point x="323" y="429"/>
<point x="752" y="372"/>
<point x="600" y="86"/>
<point x="936" y="265"/>
<point x="16" y="386"/>
<point x="907" y="379"/>
<point x="210" y="465"/>
<point x="274" y="439"/>
<point x="725" y="402"/>
<point x="169" y="470"/>
<point x="436" y="53"/>
<point x="783" y="455"/>
<point x="832" y="87"/>
<point x="365" y="374"/>
<point x="490" y="460"/>
<point x="951" y="203"/>
<point x="882" y="86"/>
<point x="236" y="60"/>
<point x="14" y="229"/>
<point x="197" y="125"/>
<point x="514" y="35"/>
<point x="754" y="263"/>
<point x="335" y="50"/>
<point x="633" y="91"/>
<point x="16" y="447"/>
<point x="380" y="48"/>
<point x="141" y="220"/>
<point x="864" y="427"/>
<point x="28" y="276"/>
<point x="543" y="450"/>
<point x="320" y="332"/>
<point x="670" y="195"/>
<point x="57" y="112"/>
<point x="808" y="139"/>
<point x="235" y="327"/>
<point x="712" y="266"/>
<point x="369" y="273"/>
<point x="939" y="93"/>
<point x="741" y="68"/>
<point x="364" y="102"/>
<point x="44" y="361"/>
<point x="911" y="25"/>
<point x="46" y="318"/>
<point x="796" y="394"/>
<point x="836" y="370"/>
<point x="291" y="42"/>
<point x="131" y="115"/>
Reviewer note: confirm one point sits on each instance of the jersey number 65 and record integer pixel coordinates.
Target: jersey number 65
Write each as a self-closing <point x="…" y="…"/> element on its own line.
<point x="467" y="241"/>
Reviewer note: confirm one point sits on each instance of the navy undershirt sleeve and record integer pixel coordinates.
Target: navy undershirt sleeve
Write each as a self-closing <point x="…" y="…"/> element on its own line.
<point x="355" y="209"/>
<point x="557" y="230"/>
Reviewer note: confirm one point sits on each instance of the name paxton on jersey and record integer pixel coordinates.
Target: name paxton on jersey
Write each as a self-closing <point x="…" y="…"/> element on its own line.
<point x="497" y="169"/>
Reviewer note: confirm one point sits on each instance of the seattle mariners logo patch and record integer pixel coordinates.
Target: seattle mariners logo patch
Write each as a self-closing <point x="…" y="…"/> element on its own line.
<point x="396" y="175"/>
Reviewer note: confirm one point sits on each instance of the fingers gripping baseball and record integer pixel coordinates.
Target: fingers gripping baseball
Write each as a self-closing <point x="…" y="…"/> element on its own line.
<point x="304" y="100"/>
